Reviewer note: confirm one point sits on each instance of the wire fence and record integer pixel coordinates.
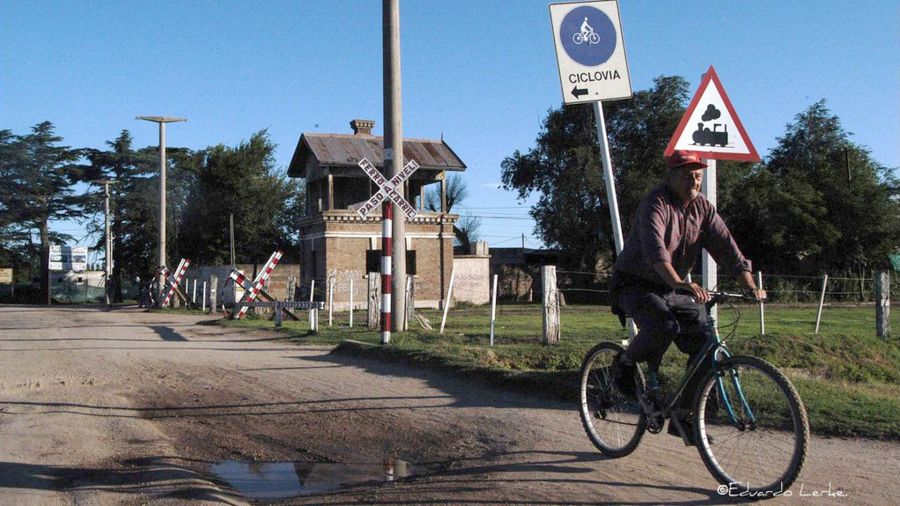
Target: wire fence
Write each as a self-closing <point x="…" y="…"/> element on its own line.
<point x="593" y="288"/>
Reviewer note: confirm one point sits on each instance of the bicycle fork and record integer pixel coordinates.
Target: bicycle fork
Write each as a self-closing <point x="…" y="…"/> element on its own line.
<point x="721" y="351"/>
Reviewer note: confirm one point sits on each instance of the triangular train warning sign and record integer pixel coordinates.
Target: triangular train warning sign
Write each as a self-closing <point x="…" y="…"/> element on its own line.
<point x="710" y="126"/>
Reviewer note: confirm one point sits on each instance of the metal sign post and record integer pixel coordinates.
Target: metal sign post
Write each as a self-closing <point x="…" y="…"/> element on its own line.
<point x="388" y="191"/>
<point x="709" y="267"/>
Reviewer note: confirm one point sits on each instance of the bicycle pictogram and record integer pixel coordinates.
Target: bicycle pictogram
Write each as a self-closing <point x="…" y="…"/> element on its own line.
<point x="587" y="34"/>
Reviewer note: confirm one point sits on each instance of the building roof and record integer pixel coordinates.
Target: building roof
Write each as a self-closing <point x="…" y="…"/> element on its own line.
<point x="348" y="149"/>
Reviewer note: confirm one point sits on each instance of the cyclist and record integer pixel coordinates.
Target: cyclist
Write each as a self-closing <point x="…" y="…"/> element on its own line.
<point x="673" y="224"/>
<point x="586" y="29"/>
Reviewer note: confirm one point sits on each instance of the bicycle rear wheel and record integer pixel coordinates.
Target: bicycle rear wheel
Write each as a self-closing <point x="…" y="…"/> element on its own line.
<point x="613" y="420"/>
<point x="751" y="427"/>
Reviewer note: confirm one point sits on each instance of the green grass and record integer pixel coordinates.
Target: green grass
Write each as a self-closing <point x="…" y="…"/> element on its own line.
<point x="848" y="378"/>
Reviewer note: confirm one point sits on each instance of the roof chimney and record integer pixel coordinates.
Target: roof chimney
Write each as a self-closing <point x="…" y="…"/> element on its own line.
<point x="362" y="126"/>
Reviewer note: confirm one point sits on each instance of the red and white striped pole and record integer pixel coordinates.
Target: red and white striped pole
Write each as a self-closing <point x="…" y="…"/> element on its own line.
<point x="386" y="253"/>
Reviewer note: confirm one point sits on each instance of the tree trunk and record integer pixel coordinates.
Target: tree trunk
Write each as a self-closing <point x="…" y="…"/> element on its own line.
<point x="45" y="260"/>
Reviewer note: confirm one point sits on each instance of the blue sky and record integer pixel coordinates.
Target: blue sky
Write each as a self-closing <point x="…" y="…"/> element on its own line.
<point x="482" y="73"/>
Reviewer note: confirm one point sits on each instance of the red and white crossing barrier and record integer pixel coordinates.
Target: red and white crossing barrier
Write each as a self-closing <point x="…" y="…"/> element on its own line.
<point x="174" y="280"/>
<point x="251" y="291"/>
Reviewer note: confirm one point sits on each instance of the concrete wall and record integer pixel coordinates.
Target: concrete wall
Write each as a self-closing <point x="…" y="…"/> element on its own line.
<point x="78" y="287"/>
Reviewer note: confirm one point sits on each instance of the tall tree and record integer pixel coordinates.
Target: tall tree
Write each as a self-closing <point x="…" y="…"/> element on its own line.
<point x="39" y="178"/>
<point x="241" y="180"/>
<point x="16" y="248"/>
<point x="820" y="203"/>
<point x="564" y="169"/>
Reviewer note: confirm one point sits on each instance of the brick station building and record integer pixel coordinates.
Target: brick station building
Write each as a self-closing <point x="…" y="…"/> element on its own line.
<point x="337" y="242"/>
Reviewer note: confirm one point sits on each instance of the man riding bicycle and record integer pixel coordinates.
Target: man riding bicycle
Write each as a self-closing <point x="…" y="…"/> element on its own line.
<point x="674" y="222"/>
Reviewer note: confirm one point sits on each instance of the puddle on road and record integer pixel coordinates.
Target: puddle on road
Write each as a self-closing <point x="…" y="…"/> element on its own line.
<point x="279" y="480"/>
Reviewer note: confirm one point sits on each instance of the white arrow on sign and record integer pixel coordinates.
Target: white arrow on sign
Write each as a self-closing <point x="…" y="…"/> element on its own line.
<point x="387" y="189"/>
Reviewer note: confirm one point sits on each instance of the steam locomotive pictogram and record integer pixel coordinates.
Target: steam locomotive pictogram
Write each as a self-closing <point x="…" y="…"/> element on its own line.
<point x="713" y="137"/>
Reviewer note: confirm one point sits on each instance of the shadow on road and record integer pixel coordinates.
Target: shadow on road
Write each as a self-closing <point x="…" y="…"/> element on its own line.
<point x="167" y="333"/>
<point x="458" y="385"/>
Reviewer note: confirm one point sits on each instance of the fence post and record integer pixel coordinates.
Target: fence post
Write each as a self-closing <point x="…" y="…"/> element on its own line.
<point x="351" y="303"/>
<point x="821" y="303"/>
<point x="373" y="300"/>
<point x="493" y="308"/>
<point x="448" y="300"/>
<point x="312" y="293"/>
<point x="204" y="297"/>
<point x="550" y="304"/>
<point x="194" y="298"/>
<point x="291" y="288"/>
<point x="762" y="306"/>
<point x="410" y="299"/>
<point x="882" y="304"/>
<point x="213" y="288"/>
<point x="278" y="315"/>
<point x="330" y="300"/>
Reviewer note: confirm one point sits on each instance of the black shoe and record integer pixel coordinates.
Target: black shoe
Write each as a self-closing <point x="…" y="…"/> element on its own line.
<point x="687" y="425"/>
<point x="623" y="375"/>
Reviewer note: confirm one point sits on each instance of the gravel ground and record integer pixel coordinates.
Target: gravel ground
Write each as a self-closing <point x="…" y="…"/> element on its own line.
<point x="129" y="407"/>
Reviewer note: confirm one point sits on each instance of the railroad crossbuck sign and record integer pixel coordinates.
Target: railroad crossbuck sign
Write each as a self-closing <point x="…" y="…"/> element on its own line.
<point x="391" y="189"/>
<point x="710" y="126"/>
<point x="590" y="51"/>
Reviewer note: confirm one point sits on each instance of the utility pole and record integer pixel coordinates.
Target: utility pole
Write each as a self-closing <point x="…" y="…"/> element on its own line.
<point x="109" y="242"/>
<point x="231" y="231"/>
<point x="393" y="150"/>
<point x="162" y="120"/>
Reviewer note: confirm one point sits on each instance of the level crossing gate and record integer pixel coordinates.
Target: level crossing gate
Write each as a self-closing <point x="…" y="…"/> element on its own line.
<point x="256" y="288"/>
<point x="173" y="282"/>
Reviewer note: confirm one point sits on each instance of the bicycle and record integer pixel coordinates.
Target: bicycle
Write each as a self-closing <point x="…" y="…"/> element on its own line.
<point x="749" y="423"/>
<point x="590" y="37"/>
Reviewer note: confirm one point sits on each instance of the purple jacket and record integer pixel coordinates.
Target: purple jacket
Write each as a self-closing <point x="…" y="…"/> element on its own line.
<point x="666" y="231"/>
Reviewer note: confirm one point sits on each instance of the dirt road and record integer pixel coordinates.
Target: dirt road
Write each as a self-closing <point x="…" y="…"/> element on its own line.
<point x="112" y="407"/>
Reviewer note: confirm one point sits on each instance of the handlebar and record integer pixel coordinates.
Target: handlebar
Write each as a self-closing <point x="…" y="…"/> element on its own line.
<point x="717" y="297"/>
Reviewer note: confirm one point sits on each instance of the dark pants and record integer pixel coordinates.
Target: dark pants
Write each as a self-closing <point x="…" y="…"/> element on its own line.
<point x="663" y="316"/>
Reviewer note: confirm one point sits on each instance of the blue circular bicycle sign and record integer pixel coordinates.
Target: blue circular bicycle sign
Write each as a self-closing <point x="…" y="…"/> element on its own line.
<point x="588" y="36"/>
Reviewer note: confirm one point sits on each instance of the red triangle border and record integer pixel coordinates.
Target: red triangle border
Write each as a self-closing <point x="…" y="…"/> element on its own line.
<point x="712" y="77"/>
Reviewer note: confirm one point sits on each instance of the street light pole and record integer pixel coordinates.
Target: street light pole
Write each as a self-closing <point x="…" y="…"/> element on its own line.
<point x="162" y="120"/>
<point x="109" y="241"/>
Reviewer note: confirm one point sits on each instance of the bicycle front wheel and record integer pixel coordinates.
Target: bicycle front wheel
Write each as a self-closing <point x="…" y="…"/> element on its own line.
<point x="613" y="419"/>
<point x="751" y="428"/>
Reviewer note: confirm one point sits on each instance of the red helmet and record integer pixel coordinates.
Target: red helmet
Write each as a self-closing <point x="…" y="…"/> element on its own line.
<point x="684" y="159"/>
